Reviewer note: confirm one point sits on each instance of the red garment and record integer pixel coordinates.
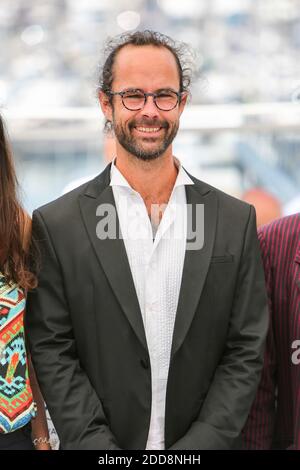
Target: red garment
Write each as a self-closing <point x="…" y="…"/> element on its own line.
<point x="274" y="420"/>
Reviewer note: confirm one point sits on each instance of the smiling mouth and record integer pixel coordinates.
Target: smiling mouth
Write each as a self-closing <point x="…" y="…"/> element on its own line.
<point x="148" y="130"/>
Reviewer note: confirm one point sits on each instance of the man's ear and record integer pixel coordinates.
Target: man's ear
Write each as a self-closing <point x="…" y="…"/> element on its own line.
<point x="105" y="105"/>
<point x="183" y="101"/>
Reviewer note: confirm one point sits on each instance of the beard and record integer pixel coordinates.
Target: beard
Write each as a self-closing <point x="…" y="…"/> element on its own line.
<point x="135" y="146"/>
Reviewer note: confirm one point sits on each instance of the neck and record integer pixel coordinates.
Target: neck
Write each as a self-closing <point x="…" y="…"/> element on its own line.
<point x="153" y="180"/>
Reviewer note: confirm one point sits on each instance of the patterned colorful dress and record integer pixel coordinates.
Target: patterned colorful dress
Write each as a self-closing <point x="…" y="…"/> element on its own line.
<point x="16" y="401"/>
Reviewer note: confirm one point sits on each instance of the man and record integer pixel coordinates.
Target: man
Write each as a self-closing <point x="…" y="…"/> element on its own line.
<point x="153" y="339"/>
<point x="274" y="421"/>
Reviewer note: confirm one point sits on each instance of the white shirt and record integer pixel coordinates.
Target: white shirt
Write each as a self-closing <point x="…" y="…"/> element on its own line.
<point x="156" y="268"/>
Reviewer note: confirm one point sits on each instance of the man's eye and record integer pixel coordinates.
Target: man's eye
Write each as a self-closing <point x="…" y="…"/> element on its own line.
<point x="165" y="95"/>
<point x="133" y="96"/>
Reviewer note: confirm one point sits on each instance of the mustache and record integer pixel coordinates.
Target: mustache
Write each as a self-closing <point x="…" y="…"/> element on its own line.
<point x="148" y="123"/>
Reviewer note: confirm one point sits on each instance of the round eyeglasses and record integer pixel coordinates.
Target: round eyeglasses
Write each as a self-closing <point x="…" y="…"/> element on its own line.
<point x="134" y="100"/>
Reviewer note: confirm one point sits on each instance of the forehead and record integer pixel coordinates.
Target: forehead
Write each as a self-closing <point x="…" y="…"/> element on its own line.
<point x="147" y="67"/>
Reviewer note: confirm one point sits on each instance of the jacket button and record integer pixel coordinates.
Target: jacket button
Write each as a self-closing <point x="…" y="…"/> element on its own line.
<point x="145" y="363"/>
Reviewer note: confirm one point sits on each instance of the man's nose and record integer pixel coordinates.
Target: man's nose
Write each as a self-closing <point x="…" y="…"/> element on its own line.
<point x="150" y="109"/>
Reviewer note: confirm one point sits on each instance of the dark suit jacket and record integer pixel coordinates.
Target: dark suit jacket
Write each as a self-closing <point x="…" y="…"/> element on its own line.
<point x="274" y="421"/>
<point x="88" y="341"/>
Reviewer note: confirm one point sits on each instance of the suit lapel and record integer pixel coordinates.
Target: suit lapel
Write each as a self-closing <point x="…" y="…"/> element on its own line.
<point x="196" y="263"/>
<point x="111" y="253"/>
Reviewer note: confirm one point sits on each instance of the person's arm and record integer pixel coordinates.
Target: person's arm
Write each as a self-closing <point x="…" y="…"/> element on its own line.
<point x="233" y="387"/>
<point x="259" y="429"/>
<point x="73" y="404"/>
<point x="40" y="432"/>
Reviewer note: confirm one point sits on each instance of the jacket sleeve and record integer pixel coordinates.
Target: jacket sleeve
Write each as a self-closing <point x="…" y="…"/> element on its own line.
<point x="259" y="429"/>
<point x="74" y="406"/>
<point x="233" y="387"/>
